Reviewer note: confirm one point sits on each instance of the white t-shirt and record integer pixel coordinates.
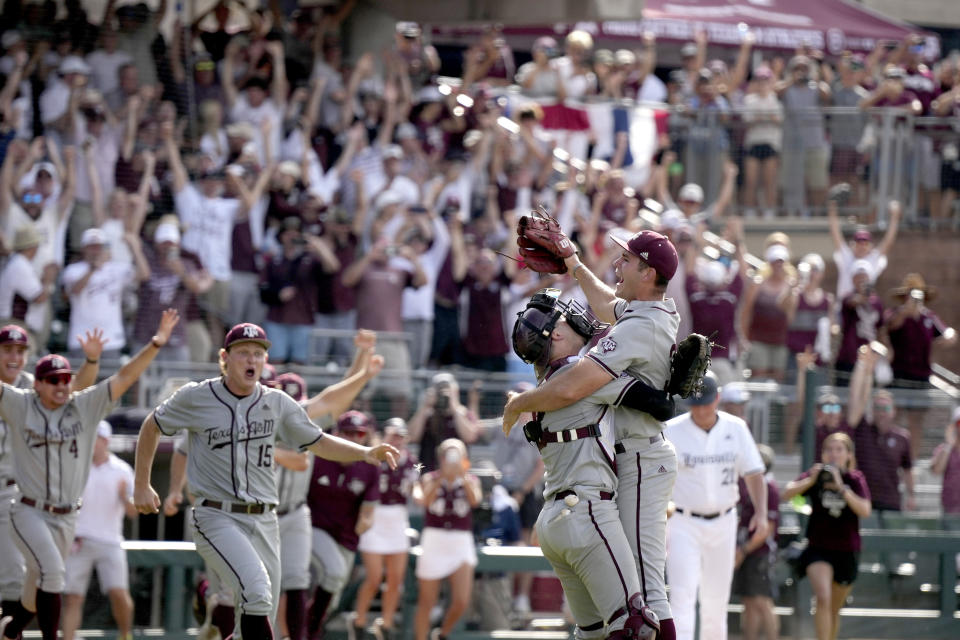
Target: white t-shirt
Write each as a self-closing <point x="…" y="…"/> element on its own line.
<point x="106" y="151"/>
<point x="418" y="303"/>
<point x="19" y="278"/>
<point x="243" y="111"/>
<point x="216" y="146"/>
<point x="54" y="101"/>
<point x="104" y="68"/>
<point x="406" y="188"/>
<point x="101" y="517"/>
<point x="99" y="304"/>
<point x="844" y="259"/>
<point x="115" y="231"/>
<point x="757" y="107"/>
<point x="652" y="90"/>
<point x="209" y="228"/>
<point x="710" y="463"/>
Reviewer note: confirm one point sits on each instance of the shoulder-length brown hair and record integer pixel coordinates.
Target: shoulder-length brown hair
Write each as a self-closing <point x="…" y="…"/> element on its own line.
<point x="847" y="442"/>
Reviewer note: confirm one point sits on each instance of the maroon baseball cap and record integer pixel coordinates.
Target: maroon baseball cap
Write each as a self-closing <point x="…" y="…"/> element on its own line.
<point x="246" y="332"/>
<point x="268" y="375"/>
<point x="863" y="234"/>
<point x="12" y="334"/>
<point x="354" y="421"/>
<point x="51" y="365"/>
<point x="291" y="384"/>
<point x="654" y="249"/>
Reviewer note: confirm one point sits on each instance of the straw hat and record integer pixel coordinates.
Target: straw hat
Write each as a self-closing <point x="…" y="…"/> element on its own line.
<point x="913" y="281"/>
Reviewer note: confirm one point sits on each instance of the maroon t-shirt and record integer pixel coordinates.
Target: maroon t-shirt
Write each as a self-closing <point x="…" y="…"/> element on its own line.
<point x="912" y="343"/>
<point x="769" y="322"/>
<point x="333" y="295"/>
<point x="879" y="455"/>
<point x="859" y="325"/>
<point x="438" y="427"/>
<point x="450" y="508"/>
<point x="336" y="493"/>
<point x="833" y="526"/>
<point x="244" y="255"/>
<point x="448" y="289"/>
<point x="715" y="311"/>
<point x="821" y="434"/>
<point x="746" y="513"/>
<point x="901" y="100"/>
<point x="301" y="272"/>
<point x="396" y="484"/>
<point x="380" y="298"/>
<point x="485" y="335"/>
<point x="950" y="495"/>
<point x="164" y="289"/>
<point x="803" y="330"/>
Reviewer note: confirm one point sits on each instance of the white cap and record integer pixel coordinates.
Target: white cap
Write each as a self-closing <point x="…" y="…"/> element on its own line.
<point x="815" y="260"/>
<point x="74" y="64"/>
<point x="691" y="192"/>
<point x="392" y="151"/>
<point x="672" y="219"/>
<point x="861" y="266"/>
<point x="166" y="232"/>
<point x="10" y="38"/>
<point x="93" y="236"/>
<point x="49" y="167"/>
<point x="712" y="273"/>
<point x="104" y="430"/>
<point x="290" y="168"/>
<point x="776" y="252"/>
<point x="240" y="130"/>
<point x="734" y="392"/>
<point x="387" y="198"/>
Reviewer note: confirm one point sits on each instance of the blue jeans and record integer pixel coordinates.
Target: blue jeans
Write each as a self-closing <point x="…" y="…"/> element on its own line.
<point x="288" y="342"/>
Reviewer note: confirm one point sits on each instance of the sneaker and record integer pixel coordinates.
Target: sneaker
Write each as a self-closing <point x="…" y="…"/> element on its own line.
<point x="381" y="632"/>
<point x="208" y="630"/>
<point x="436" y="635"/>
<point x="521" y="604"/>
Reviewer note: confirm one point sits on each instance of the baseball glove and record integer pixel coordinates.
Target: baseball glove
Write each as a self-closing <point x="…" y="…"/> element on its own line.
<point x="543" y="244"/>
<point x="839" y="193"/>
<point x="689" y="364"/>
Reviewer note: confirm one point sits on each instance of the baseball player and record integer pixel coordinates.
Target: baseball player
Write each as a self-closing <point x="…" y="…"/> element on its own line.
<point x="579" y="527"/>
<point x="640" y="342"/>
<point x="714" y="450"/>
<point x="107" y="498"/>
<point x="52" y="433"/>
<point x="233" y="423"/>
<point x="341" y="498"/>
<point x="13" y="356"/>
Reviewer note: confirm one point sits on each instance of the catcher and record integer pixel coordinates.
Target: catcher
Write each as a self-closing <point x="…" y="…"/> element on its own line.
<point x="641" y="342"/>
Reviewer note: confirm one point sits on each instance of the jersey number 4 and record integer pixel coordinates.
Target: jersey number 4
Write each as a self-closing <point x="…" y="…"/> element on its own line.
<point x="73" y="449"/>
<point x="265" y="455"/>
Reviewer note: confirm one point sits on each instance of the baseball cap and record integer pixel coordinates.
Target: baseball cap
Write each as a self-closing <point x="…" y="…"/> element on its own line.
<point x="815" y="260"/>
<point x="93" y="236"/>
<point x="863" y="234"/>
<point x="74" y="64"/>
<point x="10" y="38"/>
<point x="45" y="167"/>
<point x="240" y="130"/>
<point x="408" y="29"/>
<point x="712" y="273"/>
<point x="246" y="332"/>
<point x="861" y="266"/>
<point x="654" y="249"/>
<point x="386" y="199"/>
<point x="104" y="430"/>
<point x="354" y="421"/>
<point x="289" y="168"/>
<point x="13" y="334"/>
<point x="776" y="252"/>
<point x="708" y="393"/>
<point x="398" y="424"/>
<point x="734" y="393"/>
<point x="268" y="375"/>
<point x="689" y="50"/>
<point x="51" y="365"/>
<point x="672" y="219"/>
<point x="894" y="73"/>
<point x="828" y="398"/>
<point x="691" y="192"/>
<point x="392" y="152"/>
<point x="443" y="378"/>
<point x="291" y="384"/>
<point x="624" y="57"/>
<point x="166" y="232"/>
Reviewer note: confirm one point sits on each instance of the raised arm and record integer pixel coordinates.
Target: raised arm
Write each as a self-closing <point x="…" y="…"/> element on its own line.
<point x="227" y="79"/>
<point x="861" y="381"/>
<point x="68" y="188"/>
<point x="337" y="398"/>
<point x="92" y="346"/>
<point x="278" y="84"/>
<point x="173" y="158"/>
<point x="833" y="220"/>
<point x="130" y="372"/>
<point x="893" y="225"/>
<point x="600" y="296"/>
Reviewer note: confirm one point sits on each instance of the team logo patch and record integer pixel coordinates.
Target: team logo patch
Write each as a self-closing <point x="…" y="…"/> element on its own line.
<point x="15" y="335"/>
<point x="645" y="255"/>
<point x="662" y="469"/>
<point x="250" y="331"/>
<point x="607" y="345"/>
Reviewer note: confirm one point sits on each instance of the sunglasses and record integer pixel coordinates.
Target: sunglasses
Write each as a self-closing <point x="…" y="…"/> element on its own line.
<point x="883" y="408"/>
<point x="32" y="198"/>
<point x="58" y="379"/>
<point x="830" y="408"/>
<point x="205" y="66"/>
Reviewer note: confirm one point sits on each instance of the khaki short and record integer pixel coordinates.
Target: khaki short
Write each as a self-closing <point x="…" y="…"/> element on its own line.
<point x="767" y="357"/>
<point x="815" y="165"/>
<point x="216" y="301"/>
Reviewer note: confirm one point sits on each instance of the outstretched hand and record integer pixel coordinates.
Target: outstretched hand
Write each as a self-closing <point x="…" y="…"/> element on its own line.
<point x="510" y="414"/>
<point x="92" y="343"/>
<point x="168" y="321"/>
<point x="383" y="453"/>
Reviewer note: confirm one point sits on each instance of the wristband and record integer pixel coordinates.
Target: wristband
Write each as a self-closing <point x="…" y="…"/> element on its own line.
<point x="154" y="342"/>
<point x="89" y="361"/>
<point x="574" y="272"/>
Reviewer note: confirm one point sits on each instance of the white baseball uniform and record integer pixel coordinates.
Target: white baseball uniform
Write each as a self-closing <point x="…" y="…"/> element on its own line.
<point x="641" y="343"/>
<point x="11" y="562"/>
<point x="702" y="534"/>
<point x="99" y="530"/>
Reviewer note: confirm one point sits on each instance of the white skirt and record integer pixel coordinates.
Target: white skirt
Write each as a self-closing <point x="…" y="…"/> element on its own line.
<point x="388" y="533"/>
<point x="445" y="551"/>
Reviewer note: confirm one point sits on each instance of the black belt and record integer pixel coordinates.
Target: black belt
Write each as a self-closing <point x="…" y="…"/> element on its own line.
<point x="560" y="495"/>
<point x="238" y="507"/>
<point x="282" y="511"/>
<point x="49" y="508"/>
<point x="568" y="435"/>
<point x="9" y="482"/>
<point x="706" y="516"/>
<point x="619" y="448"/>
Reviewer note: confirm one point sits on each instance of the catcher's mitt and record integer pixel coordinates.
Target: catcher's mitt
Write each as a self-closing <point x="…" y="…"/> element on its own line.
<point x="689" y="364"/>
<point x="839" y="193"/>
<point x="543" y="244"/>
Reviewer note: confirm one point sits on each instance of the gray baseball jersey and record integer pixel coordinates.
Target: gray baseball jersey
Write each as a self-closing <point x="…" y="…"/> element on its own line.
<point x="24" y="381"/>
<point x="582" y="536"/>
<point x="231" y="439"/>
<point x="52" y="449"/>
<point x="292" y="486"/>
<point x="641" y="343"/>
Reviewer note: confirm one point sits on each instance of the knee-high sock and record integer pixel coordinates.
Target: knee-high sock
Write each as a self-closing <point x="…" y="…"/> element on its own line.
<point x="318" y="609"/>
<point x="9" y="607"/>
<point x="48" y="614"/>
<point x="296" y="613"/>
<point x="223" y="618"/>
<point x="21" y="618"/>
<point x="255" y="627"/>
<point x="667" y="630"/>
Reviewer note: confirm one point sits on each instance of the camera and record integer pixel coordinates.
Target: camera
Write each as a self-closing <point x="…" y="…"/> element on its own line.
<point x="442" y="402"/>
<point x="916" y="295"/>
<point x="826" y="474"/>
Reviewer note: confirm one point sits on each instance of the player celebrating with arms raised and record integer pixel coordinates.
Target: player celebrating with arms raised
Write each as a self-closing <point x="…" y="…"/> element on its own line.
<point x="233" y="422"/>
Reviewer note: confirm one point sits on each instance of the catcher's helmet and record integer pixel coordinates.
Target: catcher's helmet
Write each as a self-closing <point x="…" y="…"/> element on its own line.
<point x="531" y="331"/>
